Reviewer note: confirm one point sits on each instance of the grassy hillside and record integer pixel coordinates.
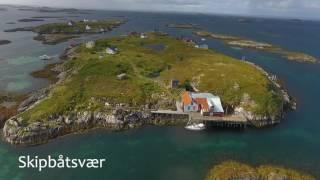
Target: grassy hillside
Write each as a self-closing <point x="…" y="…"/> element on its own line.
<point x="93" y="80"/>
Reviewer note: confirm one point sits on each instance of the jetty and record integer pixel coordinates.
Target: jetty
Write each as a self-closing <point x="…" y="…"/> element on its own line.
<point x="227" y="121"/>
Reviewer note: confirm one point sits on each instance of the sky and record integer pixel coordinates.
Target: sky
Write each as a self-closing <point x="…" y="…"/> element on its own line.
<point x="309" y="9"/>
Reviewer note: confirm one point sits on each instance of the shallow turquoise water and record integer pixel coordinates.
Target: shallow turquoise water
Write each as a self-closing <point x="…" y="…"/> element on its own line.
<point x="171" y="152"/>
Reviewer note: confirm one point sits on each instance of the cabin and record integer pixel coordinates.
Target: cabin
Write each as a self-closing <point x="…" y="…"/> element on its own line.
<point x="205" y="103"/>
<point x="112" y="50"/>
<point x="174" y="84"/>
<point x="122" y="76"/>
<point x="134" y="33"/>
<point x="90" y="44"/>
<point x="202" y="46"/>
<point x="70" y="23"/>
<point x="188" y="40"/>
<point x="88" y="28"/>
<point x="143" y="36"/>
<point x="189" y="105"/>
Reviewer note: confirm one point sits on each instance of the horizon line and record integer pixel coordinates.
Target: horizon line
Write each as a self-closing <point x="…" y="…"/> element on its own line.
<point x="172" y="12"/>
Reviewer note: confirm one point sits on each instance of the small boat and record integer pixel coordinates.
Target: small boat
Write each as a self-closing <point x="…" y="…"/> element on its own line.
<point x="45" y="57"/>
<point x="196" y="127"/>
<point x="203" y="39"/>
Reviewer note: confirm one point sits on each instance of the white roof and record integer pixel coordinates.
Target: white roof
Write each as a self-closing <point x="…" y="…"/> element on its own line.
<point x="216" y="103"/>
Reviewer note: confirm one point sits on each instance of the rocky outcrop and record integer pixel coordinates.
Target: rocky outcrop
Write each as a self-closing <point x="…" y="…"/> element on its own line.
<point x="288" y="103"/>
<point x="17" y="132"/>
<point x="236" y="170"/>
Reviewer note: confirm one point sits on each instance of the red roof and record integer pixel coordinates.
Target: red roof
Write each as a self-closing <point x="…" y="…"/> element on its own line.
<point x="203" y="102"/>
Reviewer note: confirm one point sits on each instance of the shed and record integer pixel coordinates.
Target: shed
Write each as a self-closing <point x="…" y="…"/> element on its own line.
<point x="90" y="44"/>
<point x="122" y="76"/>
<point x="174" y="83"/>
<point x="111" y="50"/>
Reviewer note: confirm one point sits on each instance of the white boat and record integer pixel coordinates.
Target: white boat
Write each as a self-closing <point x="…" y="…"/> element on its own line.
<point x="45" y="57"/>
<point x="196" y="127"/>
<point x="203" y="39"/>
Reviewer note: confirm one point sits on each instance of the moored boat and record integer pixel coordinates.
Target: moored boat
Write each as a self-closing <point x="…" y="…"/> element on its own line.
<point x="45" y="57"/>
<point x="196" y="127"/>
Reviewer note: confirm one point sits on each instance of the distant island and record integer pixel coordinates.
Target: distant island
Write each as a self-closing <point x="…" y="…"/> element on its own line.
<point x="54" y="10"/>
<point x="115" y="83"/>
<point x="30" y="20"/>
<point x="247" y="43"/>
<point x="235" y="170"/>
<point x="4" y="42"/>
<point x="183" y="26"/>
<point x="55" y="33"/>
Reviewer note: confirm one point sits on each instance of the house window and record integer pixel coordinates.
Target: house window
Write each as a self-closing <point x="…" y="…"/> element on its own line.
<point x="188" y="108"/>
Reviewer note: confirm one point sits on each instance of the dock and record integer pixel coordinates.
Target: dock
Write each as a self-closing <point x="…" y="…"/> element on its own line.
<point x="227" y="121"/>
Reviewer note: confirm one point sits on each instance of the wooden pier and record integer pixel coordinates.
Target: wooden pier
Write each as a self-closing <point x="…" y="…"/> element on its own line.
<point x="228" y="121"/>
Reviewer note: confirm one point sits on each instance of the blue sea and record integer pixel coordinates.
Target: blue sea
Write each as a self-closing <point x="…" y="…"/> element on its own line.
<point x="165" y="153"/>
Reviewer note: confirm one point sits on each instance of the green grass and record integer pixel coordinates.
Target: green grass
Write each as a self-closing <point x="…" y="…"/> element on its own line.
<point x="93" y="81"/>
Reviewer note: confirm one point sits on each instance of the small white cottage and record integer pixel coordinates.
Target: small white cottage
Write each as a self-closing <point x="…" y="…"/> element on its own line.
<point x="111" y="50"/>
<point x="70" y="23"/>
<point x="143" y="36"/>
<point x="90" y="44"/>
<point x="88" y="28"/>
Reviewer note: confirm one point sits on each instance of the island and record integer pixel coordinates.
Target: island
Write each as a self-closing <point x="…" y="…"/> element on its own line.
<point x="55" y="33"/>
<point x="54" y="10"/>
<point x="247" y="43"/>
<point x="235" y="170"/>
<point x="30" y="20"/>
<point x="183" y="26"/>
<point x="4" y="42"/>
<point x="117" y="83"/>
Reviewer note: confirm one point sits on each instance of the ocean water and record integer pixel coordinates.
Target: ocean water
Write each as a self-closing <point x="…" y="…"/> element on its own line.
<point x="165" y="153"/>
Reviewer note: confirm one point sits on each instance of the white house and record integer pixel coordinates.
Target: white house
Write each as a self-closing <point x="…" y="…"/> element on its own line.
<point x="202" y="46"/>
<point x="88" y="28"/>
<point x="111" y="50"/>
<point x="70" y="23"/>
<point x="143" y="36"/>
<point x="85" y="20"/>
<point x="90" y="44"/>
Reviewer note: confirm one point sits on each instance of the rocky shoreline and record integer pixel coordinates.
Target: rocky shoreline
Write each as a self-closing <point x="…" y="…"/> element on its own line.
<point x="288" y="103"/>
<point x="15" y="132"/>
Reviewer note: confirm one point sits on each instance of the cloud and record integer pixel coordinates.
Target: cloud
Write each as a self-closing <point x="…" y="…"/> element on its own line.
<point x="290" y="8"/>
